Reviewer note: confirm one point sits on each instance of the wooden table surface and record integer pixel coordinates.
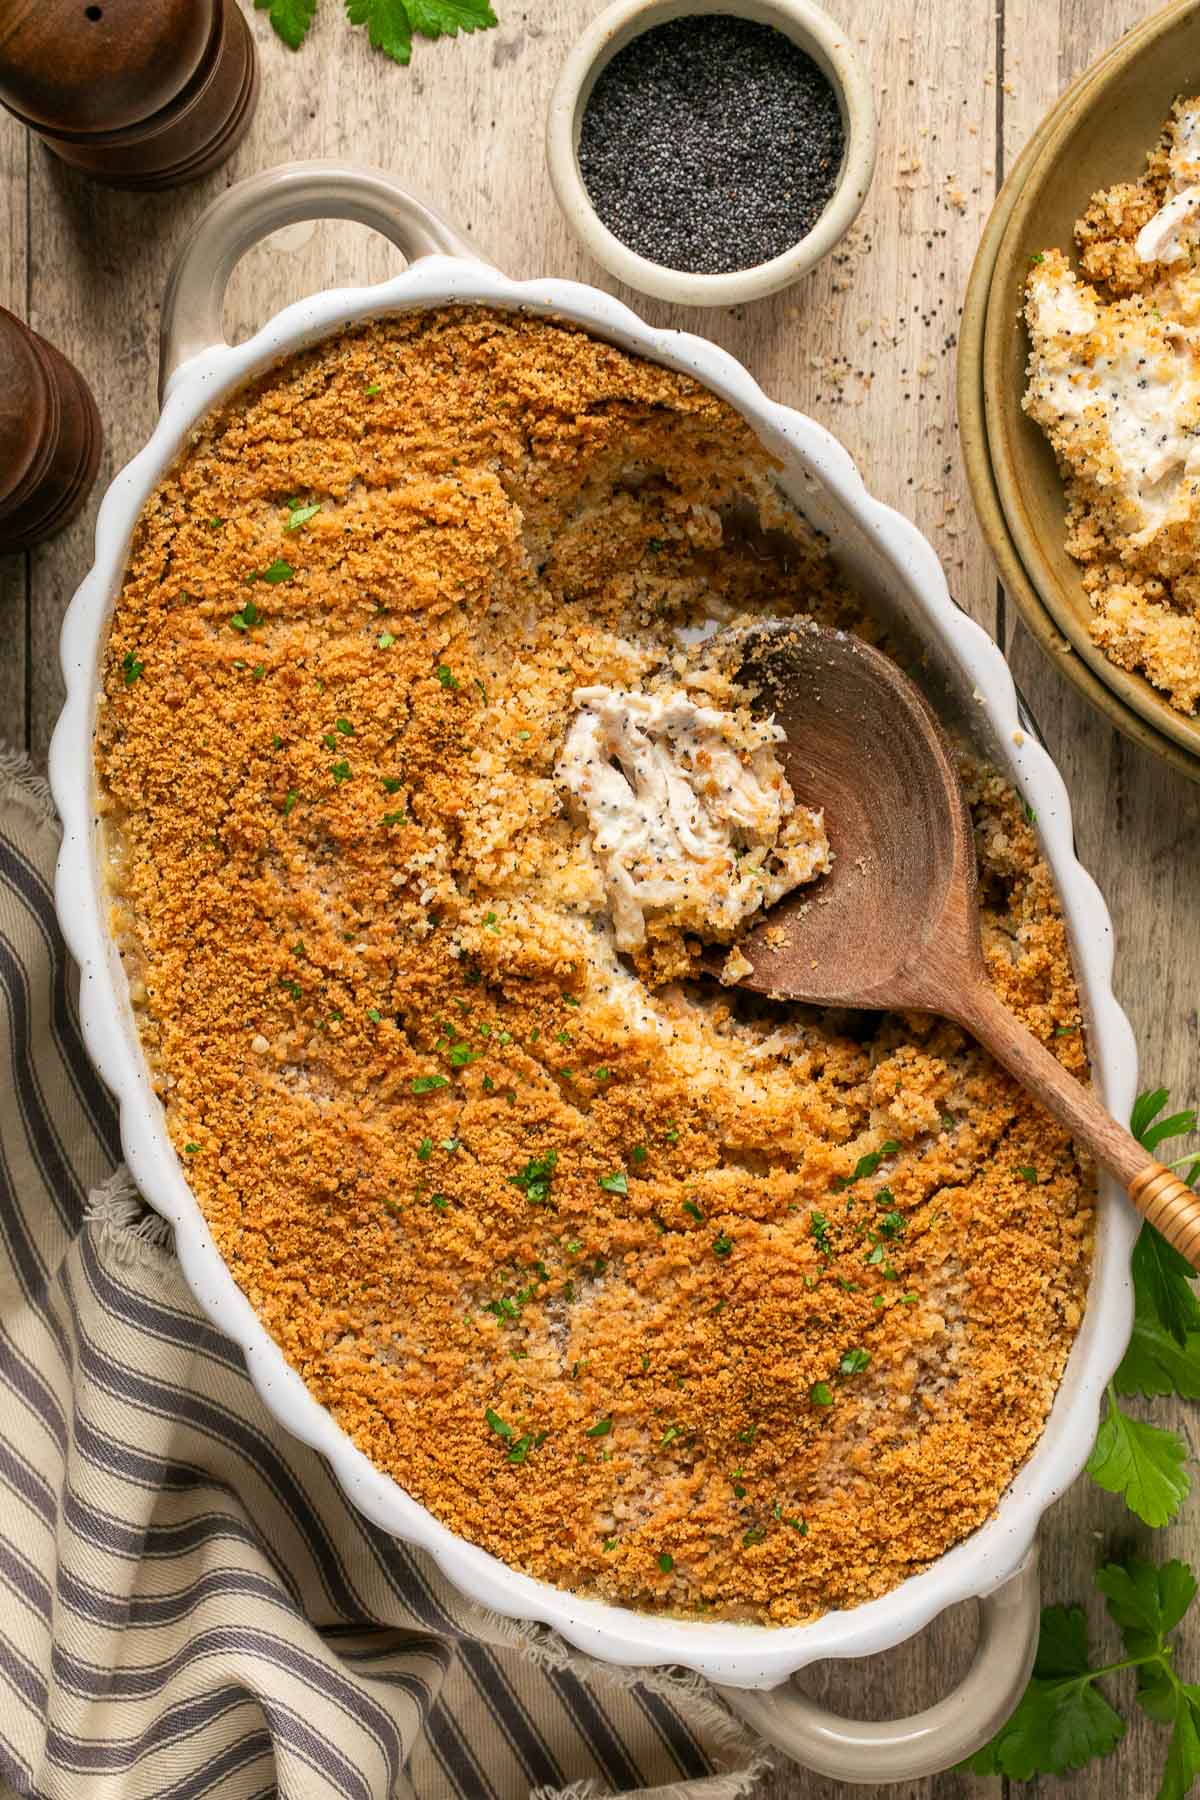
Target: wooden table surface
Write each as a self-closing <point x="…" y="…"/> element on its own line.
<point x="866" y="345"/>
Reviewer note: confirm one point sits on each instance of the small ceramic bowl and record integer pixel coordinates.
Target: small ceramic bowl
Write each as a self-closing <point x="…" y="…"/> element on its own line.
<point x="816" y="34"/>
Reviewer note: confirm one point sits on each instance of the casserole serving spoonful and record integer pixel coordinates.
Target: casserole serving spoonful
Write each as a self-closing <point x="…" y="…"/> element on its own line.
<point x="893" y="923"/>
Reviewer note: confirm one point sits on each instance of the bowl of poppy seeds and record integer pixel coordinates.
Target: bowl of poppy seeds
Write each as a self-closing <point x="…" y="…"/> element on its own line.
<point x="709" y="152"/>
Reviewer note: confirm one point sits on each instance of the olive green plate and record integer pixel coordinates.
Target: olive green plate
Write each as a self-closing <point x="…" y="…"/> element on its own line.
<point x="1099" y="132"/>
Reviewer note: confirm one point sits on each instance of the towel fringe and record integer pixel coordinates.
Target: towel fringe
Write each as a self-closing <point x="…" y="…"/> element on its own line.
<point x="21" y="786"/>
<point x="126" y="1226"/>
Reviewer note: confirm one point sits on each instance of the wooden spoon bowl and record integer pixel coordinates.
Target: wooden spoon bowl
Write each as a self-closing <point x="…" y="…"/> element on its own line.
<point x="895" y="924"/>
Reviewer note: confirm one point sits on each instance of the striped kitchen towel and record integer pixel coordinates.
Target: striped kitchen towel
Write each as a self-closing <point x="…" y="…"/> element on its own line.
<point x="188" y="1605"/>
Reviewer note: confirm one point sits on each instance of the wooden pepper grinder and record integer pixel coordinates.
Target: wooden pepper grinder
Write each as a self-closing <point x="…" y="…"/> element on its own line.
<point x="137" y="93"/>
<point x="49" y="437"/>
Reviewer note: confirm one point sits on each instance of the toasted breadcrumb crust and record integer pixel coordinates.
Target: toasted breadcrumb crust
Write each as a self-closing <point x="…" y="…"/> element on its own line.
<point x="1139" y="572"/>
<point x="654" y="1290"/>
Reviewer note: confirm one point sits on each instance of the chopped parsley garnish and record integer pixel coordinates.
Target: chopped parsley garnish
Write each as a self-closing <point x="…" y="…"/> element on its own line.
<point x="300" y="515"/>
<point x="1030" y="815"/>
<point x="425" y="1084"/>
<point x="490" y="922"/>
<point x="866" y="1165"/>
<point x="190" y="1149"/>
<point x="617" y="1183"/>
<point x="385" y="640"/>
<point x="666" y="1562"/>
<point x="396" y="818"/>
<point x="755" y="1535"/>
<point x="373" y="1014"/>
<point x="131" y="668"/>
<point x="854" y="1362"/>
<point x="821" y="1394"/>
<point x="1026" y="1173"/>
<point x="459" y="1055"/>
<point x="722" y="1244"/>
<point x="689" y="1206"/>
<point x="344" y="726"/>
<point x="638" y="1153"/>
<point x="450" y="1145"/>
<point x="535" y="1178"/>
<point x="446" y="676"/>
<point x="392" y="784"/>
<point x="425" y="1149"/>
<point x="279" y="570"/>
<point x="668" y="1436"/>
<point x="247" y="619"/>
<point x="818" y="1226"/>
<point x="601" y="1428"/>
<point x="340" y="771"/>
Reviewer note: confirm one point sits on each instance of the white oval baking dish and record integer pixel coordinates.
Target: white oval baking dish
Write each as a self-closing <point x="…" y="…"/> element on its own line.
<point x="890" y="561"/>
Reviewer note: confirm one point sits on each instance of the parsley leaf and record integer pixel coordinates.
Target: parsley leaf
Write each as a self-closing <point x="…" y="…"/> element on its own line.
<point x="866" y="1165"/>
<point x="291" y="20"/>
<point x="1149" y="1129"/>
<point x="1141" y="1463"/>
<point x="1154" y="1363"/>
<point x="300" y="515"/>
<point x="247" y="618"/>
<point x="535" y="1178"/>
<point x="388" y="26"/>
<point x="615" y="1184"/>
<point x="446" y="18"/>
<point x="1063" y="1720"/>
<point x="1160" y="1280"/>
<point x="131" y="668"/>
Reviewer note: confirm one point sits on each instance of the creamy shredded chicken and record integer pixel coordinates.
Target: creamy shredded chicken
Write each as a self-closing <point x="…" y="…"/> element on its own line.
<point x="1114" y="382"/>
<point x="688" y="810"/>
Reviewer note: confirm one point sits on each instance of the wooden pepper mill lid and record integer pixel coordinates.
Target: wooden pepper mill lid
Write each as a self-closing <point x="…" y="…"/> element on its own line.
<point x="137" y="93"/>
<point x="49" y="437"/>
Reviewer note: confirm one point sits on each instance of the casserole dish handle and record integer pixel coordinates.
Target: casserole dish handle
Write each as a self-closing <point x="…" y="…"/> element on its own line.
<point x="252" y="209"/>
<point x="875" y="1753"/>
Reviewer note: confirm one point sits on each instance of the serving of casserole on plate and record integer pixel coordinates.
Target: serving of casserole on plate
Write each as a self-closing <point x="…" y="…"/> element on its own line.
<point x="414" y="751"/>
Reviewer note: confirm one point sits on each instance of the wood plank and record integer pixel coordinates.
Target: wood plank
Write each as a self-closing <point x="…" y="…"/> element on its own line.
<point x="14" y="570"/>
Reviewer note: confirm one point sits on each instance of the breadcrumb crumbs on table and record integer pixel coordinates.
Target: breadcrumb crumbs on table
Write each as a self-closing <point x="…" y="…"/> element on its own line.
<point x="565" y="1244"/>
<point x="1113" y="384"/>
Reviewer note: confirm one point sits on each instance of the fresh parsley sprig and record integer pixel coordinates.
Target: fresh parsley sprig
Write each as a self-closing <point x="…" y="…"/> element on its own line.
<point x="391" y="24"/>
<point x="1065" y="1720"/>
<point x="1141" y="1462"/>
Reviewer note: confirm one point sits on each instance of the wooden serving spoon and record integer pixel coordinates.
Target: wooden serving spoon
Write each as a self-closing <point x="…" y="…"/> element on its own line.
<point x="895" y="924"/>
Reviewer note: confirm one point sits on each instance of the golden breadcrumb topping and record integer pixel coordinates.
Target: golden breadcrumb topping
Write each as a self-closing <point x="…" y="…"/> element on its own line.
<point x="653" y="1289"/>
<point x="1114" y="383"/>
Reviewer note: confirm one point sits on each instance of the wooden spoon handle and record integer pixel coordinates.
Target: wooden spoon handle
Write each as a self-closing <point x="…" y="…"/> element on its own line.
<point x="1171" y="1206"/>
